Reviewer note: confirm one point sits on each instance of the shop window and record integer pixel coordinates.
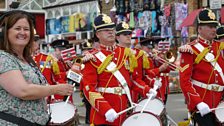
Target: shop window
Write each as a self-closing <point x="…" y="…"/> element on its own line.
<point x="49" y="14"/>
<point x="65" y="11"/>
<point x="2" y="4"/>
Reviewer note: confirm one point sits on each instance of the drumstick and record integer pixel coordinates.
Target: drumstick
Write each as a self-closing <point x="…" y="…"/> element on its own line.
<point x="69" y="95"/>
<point x="217" y="108"/>
<point x="150" y="97"/>
<point x="123" y="111"/>
<point x="168" y="117"/>
<point x="213" y="109"/>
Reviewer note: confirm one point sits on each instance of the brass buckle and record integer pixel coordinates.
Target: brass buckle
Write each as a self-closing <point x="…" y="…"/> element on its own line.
<point x="118" y="90"/>
<point x="215" y="88"/>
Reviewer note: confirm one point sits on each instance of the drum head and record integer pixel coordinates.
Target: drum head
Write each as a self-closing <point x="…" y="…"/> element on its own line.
<point x="142" y="119"/>
<point x="154" y="106"/>
<point x="219" y="113"/>
<point x="61" y="112"/>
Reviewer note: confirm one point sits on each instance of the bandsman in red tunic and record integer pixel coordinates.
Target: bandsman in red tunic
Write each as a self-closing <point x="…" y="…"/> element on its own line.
<point x="123" y="36"/>
<point x="157" y="70"/>
<point x="201" y="73"/>
<point x="47" y="65"/>
<point x="60" y="73"/>
<point x="106" y="77"/>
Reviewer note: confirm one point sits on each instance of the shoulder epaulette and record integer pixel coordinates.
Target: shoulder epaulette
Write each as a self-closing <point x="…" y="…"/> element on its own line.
<point x="89" y="55"/>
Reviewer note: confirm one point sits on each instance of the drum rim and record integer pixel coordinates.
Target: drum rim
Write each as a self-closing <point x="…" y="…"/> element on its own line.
<point x="164" y="108"/>
<point x="222" y="102"/>
<point x="57" y="101"/>
<point x="153" y="99"/>
<point x="66" y="122"/>
<point x="160" y="122"/>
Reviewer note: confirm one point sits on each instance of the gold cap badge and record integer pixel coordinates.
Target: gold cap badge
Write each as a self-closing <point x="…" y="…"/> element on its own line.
<point x="211" y="15"/>
<point x="106" y="19"/>
<point x="125" y="25"/>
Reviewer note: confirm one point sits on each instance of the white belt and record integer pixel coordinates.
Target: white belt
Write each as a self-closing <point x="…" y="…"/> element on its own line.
<point x="212" y="87"/>
<point x="47" y="66"/>
<point x="112" y="90"/>
<point x="164" y="74"/>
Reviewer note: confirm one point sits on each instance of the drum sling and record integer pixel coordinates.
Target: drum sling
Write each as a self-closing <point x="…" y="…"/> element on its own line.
<point x="16" y="120"/>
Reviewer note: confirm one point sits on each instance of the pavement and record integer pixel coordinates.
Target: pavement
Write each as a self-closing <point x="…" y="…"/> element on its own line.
<point x="176" y="108"/>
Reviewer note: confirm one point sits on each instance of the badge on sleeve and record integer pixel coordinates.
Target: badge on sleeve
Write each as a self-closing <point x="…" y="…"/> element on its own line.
<point x="87" y="87"/>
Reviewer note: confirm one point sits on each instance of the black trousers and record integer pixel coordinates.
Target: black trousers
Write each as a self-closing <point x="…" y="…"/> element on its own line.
<point x="207" y="120"/>
<point x="88" y="108"/>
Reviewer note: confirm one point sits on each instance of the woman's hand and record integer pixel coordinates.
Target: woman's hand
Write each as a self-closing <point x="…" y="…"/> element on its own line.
<point x="64" y="89"/>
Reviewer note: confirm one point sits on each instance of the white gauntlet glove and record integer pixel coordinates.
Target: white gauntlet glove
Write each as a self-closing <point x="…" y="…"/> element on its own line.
<point x="186" y="48"/>
<point x="158" y="82"/>
<point x="152" y="92"/>
<point x="111" y="115"/>
<point x="203" y="108"/>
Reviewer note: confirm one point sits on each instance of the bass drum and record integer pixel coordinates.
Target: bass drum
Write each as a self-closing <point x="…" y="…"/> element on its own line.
<point x="142" y="119"/>
<point x="62" y="114"/>
<point x="219" y="113"/>
<point x="154" y="106"/>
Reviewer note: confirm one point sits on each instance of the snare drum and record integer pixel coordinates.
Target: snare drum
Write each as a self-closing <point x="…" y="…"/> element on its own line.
<point x="62" y="114"/>
<point x="142" y="119"/>
<point x="219" y="113"/>
<point x="154" y="106"/>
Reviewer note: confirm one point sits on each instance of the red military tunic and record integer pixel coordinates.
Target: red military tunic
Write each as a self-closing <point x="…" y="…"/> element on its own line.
<point x="44" y="62"/>
<point x="151" y="73"/>
<point x="53" y="71"/>
<point x="201" y="73"/>
<point x="61" y="78"/>
<point x="143" y="63"/>
<point x="93" y="80"/>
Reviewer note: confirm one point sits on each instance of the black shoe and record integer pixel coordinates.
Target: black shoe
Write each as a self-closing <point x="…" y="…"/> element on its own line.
<point x="185" y="119"/>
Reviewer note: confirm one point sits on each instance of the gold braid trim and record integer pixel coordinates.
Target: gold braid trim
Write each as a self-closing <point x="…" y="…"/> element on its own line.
<point x="46" y="61"/>
<point x="132" y="59"/>
<point x="133" y="62"/>
<point x="221" y="47"/>
<point x="93" y="96"/>
<point x="104" y="64"/>
<point x="201" y="55"/>
<point x="146" y="62"/>
<point x="55" y="67"/>
<point x="141" y="53"/>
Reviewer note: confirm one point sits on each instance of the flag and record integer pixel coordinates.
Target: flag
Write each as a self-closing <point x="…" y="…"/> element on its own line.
<point x="163" y="45"/>
<point x="68" y="54"/>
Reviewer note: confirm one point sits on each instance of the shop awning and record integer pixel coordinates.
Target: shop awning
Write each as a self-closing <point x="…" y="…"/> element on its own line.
<point x="190" y="19"/>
